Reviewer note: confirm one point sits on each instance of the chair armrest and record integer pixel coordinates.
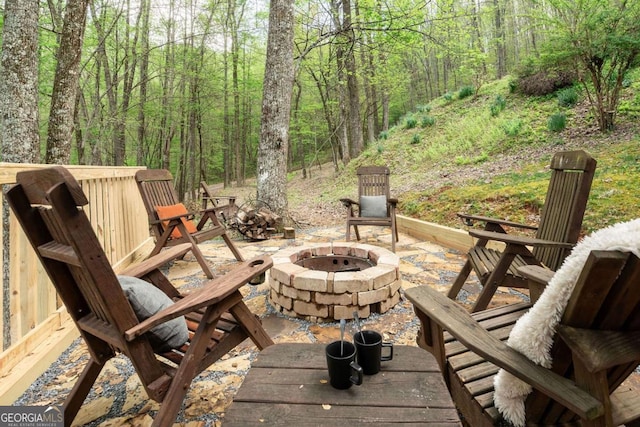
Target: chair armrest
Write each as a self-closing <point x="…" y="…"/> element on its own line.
<point x="459" y="323"/>
<point x="392" y="201"/>
<point x="538" y="278"/>
<point x="211" y="293"/>
<point x="349" y="202"/>
<point x="156" y="261"/>
<point x="470" y="218"/>
<point x="517" y="240"/>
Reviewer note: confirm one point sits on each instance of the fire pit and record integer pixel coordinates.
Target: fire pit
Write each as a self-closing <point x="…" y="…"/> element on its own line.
<point x="330" y="281"/>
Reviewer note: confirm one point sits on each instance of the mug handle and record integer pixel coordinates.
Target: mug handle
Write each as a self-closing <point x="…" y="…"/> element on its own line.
<point x="356" y="373"/>
<point x="388" y="345"/>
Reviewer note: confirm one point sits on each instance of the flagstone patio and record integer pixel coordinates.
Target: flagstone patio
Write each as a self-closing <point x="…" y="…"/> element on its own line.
<point x="119" y="399"/>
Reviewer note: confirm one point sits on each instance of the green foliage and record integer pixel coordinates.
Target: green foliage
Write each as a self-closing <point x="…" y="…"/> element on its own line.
<point x="424" y="108"/>
<point x="379" y="148"/>
<point x="410" y="122"/>
<point x="512" y="127"/>
<point x="557" y="122"/>
<point x="416" y="138"/>
<point x="448" y="96"/>
<point x="428" y="121"/>
<point x="498" y="105"/>
<point x="466" y="91"/>
<point x="383" y="135"/>
<point x="567" y="97"/>
<point x="464" y="160"/>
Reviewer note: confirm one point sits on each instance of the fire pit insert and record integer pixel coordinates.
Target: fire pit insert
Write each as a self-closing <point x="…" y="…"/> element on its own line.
<point x="330" y="281"/>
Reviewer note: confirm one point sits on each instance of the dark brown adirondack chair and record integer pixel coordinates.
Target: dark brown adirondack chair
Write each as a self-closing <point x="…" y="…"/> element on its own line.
<point x="375" y="205"/>
<point x="170" y="221"/>
<point x="48" y="203"/>
<point x="560" y="224"/>
<point x="225" y="205"/>
<point x="596" y="348"/>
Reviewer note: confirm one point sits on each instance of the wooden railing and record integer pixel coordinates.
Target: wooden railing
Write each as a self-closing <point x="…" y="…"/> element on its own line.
<point x="35" y="326"/>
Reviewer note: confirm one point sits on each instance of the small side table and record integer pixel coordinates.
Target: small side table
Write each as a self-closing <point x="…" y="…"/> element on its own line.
<point x="288" y="385"/>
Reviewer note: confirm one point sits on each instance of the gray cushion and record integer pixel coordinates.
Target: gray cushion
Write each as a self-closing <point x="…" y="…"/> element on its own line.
<point x="146" y="300"/>
<point x="373" y="206"/>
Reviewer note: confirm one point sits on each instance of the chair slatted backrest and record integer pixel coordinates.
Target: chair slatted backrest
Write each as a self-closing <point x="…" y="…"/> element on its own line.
<point x="565" y="204"/>
<point x="156" y="188"/>
<point x="374" y="181"/>
<point x="48" y="204"/>
<point x="606" y="298"/>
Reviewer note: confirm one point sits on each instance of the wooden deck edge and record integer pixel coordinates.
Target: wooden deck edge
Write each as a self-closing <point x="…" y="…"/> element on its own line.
<point x="446" y="236"/>
<point x="31" y="365"/>
<point x="25" y="361"/>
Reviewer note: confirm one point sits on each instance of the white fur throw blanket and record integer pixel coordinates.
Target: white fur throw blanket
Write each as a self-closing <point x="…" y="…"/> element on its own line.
<point x="532" y="335"/>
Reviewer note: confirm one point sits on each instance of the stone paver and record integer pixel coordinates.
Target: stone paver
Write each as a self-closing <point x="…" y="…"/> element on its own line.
<point x="118" y="397"/>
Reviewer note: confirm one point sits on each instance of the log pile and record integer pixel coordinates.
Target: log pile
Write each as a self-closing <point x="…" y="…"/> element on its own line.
<point x="256" y="224"/>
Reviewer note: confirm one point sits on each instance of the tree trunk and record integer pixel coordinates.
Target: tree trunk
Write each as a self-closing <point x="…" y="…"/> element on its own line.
<point x="65" y="83"/>
<point x="19" y="135"/>
<point x="353" y="94"/>
<point x="144" y="76"/>
<point x="276" y="108"/>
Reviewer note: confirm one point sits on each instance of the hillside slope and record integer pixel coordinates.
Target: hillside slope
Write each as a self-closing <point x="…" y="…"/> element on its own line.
<point x="456" y="155"/>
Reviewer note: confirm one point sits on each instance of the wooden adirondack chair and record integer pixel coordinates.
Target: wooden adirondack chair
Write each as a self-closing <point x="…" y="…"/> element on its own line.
<point x="558" y="231"/>
<point x="596" y="348"/>
<point x="375" y="205"/>
<point x="170" y="221"/>
<point x="48" y="204"/>
<point x="225" y="205"/>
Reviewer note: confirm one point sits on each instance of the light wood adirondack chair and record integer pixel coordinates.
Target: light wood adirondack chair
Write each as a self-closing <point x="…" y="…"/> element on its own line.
<point x="48" y="203"/>
<point x="375" y="205"/>
<point x="596" y="348"/>
<point x="560" y="224"/>
<point x="175" y="226"/>
<point x="225" y="205"/>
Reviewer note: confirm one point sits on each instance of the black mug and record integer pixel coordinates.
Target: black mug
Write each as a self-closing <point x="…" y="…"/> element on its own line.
<point x="369" y="347"/>
<point x="341" y="361"/>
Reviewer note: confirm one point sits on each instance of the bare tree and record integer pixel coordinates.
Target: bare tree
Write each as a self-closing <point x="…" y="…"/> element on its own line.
<point x="276" y="108"/>
<point x="19" y="139"/>
<point x="65" y="83"/>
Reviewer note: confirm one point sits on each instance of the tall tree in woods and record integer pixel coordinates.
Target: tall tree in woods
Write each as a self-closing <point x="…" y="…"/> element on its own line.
<point x="19" y="137"/>
<point x="19" y="140"/>
<point x="65" y="83"/>
<point x="276" y="108"/>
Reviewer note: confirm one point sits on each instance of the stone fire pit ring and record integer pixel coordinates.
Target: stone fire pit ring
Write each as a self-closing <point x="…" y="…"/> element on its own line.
<point x="329" y="281"/>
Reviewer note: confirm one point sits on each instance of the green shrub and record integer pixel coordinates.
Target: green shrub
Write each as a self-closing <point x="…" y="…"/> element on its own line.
<point x="567" y="97"/>
<point x="410" y="122"/>
<point x="424" y="108"/>
<point x="383" y="135"/>
<point x="379" y="148"/>
<point x="416" y="138"/>
<point x="466" y="91"/>
<point x="557" y="122"/>
<point x="498" y="105"/>
<point x="512" y="127"/>
<point x="448" y="96"/>
<point x="428" y="121"/>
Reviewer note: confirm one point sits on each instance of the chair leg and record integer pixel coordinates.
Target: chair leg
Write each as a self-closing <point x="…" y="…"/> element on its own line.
<point x="187" y="370"/>
<point x="80" y="390"/>
<point x="355" y="227"/>
<point x="459" y="282"/>
<point x="347" y="235"/>
<point x="232" y="246"/>
<point x="251" y="325"/>
<point x="494" y="280"/>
